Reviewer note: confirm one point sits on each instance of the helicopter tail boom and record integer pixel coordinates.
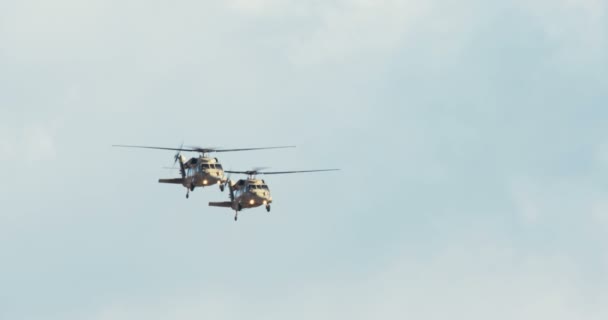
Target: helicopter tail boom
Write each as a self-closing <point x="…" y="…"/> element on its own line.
<point x="223" y="204"/>
<point x="173" y="181"/>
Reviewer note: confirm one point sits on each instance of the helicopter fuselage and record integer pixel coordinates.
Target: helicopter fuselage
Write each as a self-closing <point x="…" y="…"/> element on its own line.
<point x="202" y="172"/>
<point x="250" y="193"/>
<point x="198" y="172"/>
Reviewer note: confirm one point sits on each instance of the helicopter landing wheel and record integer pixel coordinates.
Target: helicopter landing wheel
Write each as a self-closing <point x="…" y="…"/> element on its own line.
<point x="221" y="187"/>
<point x="187" y="195"/>
<point x="268" y="208"/>
<point x="192" y="187"/>
<point x="236" y="216"/>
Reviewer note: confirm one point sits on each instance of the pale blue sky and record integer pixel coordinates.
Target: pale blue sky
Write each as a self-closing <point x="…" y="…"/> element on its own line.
<point x="472" y="136"/>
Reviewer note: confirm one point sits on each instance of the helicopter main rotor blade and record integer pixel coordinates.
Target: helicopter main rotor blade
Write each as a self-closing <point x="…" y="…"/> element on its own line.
<point x="279" y="172"/>
<point x="251" y="149"/>
<point x="238" y="172"/>
<point x="201" y="150"/>
<point x="148" y="147"/>
<point x="299" y="171"/>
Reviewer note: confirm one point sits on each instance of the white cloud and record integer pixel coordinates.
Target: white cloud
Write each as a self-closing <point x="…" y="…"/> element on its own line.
<point x="577" y="28"/>
<point x="184" y="308"/>
<point x="265" y="7"/>
<point x="348" y="29"/>
<point x="473" y="282"/>
<point x="526" y="198"/>
<point x="372" y="30"/>
<point x="482" y="282"/>
<point x="601" y="156"/>
<point x="599" y="212"/>
<point x="360" y="31"/>
<point x="29" y="144"/>
<point x="39" y="143"/>
<point x="39" y="30"/>
<point x="7" y="145"/>
<point x="571" y="201"/>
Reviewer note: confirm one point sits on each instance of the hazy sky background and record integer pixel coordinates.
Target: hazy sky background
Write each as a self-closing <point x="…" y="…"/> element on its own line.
<point x="472" y="137"/>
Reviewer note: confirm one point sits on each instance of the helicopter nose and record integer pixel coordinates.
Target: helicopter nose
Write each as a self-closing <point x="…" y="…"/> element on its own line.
<point x="263" y="194"/>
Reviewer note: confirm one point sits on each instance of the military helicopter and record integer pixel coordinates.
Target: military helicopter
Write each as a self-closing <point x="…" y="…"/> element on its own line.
<point x="201" y="171"/>
<point x="252" y="192"/>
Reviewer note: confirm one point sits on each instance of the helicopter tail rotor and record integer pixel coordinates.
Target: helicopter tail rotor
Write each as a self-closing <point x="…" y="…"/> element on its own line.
<point x="178" y="157"/>
<point x="231" y="189"/>
<point x="175" y="158"/>
<point x="228" y="182"/>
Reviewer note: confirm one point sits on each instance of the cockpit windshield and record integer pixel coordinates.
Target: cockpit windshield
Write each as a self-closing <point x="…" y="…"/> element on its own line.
<point x="258" y="187"/>
<point x="211" y="166"/>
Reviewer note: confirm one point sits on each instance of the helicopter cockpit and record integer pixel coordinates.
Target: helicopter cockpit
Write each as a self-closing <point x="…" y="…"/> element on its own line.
<point x="211" y="166"/>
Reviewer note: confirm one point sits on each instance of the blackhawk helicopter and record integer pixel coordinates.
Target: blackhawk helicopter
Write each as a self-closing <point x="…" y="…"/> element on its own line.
<point x="201" y="171"/>
<point x="252" y="192"/>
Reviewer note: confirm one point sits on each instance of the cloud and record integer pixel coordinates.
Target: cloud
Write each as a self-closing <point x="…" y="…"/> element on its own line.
<point x="32" y="143"/>
<point x="599" y="211"/>
<point x="481" y="282"/>
<point x="7" y="145"/>
<point x="184" y="308"/>
<point x="526" y="198"/>
<point x="39" y="143"/>
<point x="578" y="29"/>
<point x="307" y="33"/>
<point x="463" y="281"/>
<point x="575" y="203"/>
<point x="601" y="156"/>
<point x="351" y="29"/>
<point x="265" y="7"/>
<point x="355" y="31"/>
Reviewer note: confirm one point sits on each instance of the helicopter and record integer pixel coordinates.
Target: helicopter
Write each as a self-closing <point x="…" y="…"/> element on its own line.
<point x="201" y="171"/>
<point x="252" y="192"/>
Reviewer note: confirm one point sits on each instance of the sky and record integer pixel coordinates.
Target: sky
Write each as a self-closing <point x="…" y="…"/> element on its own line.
<point x="472" y="138"/>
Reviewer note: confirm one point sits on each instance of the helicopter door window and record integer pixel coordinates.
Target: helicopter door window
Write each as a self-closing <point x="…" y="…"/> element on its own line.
<point x="219" y="166"/>
<point x="205" y="166"/>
